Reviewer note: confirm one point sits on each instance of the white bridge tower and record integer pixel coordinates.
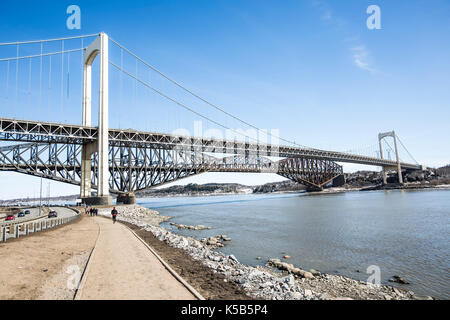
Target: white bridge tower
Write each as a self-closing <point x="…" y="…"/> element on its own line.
<point x="98" y="47"/>
<point x="392" y="134"/>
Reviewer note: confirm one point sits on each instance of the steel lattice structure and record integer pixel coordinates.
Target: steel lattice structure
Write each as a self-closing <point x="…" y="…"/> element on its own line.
<point x="141" y="160"/>
<point x="138" y="168"/>
<point x="312" y="172"/>
<point x="34" y="131"/>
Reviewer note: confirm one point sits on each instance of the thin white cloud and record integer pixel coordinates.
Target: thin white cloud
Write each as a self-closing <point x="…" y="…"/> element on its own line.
<point x="326" y="13"/>
<point x="361" y="58"/>
<point x="360" y="54"/>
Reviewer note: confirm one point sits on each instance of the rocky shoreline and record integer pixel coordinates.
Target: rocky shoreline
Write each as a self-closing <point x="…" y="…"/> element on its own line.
<point x="277" y="281"/>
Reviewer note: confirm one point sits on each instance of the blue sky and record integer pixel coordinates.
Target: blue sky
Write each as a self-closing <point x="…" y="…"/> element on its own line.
<point x="311" y="69"/>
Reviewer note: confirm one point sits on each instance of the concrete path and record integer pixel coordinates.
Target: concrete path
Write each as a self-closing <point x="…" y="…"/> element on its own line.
<point x="122" y="267"/>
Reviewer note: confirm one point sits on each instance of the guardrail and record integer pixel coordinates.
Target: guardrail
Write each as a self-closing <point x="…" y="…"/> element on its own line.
<point x="17" y="229"/>
<point x="26" y="219"/>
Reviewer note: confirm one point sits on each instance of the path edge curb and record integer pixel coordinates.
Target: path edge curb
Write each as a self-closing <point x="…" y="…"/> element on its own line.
<point x="166" y="265"/>
<point x="79" y="290"/>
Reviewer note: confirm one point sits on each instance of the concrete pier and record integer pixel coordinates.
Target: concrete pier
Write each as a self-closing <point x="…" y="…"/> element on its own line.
<point x="126" y="198"/>
<point x="97" y="201"/>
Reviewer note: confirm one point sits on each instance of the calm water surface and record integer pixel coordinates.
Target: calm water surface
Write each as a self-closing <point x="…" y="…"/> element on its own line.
<point x="403" y="232"/>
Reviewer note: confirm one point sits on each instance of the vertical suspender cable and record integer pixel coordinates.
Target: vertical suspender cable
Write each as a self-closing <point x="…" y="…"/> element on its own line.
<point x="135" y="91"/>
<point x="68" y="75"/>
<point x="40" y="81"/>
<point x="29" y="83"/>
<point x="7" y="85"/>
<point x="82" y="72"/>
<point x="49" y="85"/>
<point x="150" y="120"/>
<point x="17" y="82"/>
<point x="62" y="78"/>
<point x="121" y="88"/>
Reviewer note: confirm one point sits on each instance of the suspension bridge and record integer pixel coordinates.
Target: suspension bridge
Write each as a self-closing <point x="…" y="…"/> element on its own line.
<point x="40" y="75"/>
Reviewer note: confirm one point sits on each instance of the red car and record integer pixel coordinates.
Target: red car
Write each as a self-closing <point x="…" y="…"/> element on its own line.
<point x="52" y="214"/>
<point x="10" y="217"/>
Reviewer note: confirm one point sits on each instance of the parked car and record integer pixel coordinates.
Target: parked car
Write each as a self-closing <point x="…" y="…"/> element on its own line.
<point x="27" y="212"/>
<point x="21" y="214"/>
<point x="52" y="214"/>
<point x="10" y="217"/>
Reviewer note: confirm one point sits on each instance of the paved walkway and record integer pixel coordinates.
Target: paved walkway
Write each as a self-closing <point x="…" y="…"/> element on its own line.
<point x="122" y="267"/>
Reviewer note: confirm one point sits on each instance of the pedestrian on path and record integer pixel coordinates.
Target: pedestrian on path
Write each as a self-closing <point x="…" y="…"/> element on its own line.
<point x="114" y="214"/>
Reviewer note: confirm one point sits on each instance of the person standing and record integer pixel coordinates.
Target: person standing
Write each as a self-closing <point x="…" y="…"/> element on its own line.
<point x="114" y="214"/>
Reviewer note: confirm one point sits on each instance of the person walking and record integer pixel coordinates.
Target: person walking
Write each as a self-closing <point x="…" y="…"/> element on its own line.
<point x="114" y="214"/>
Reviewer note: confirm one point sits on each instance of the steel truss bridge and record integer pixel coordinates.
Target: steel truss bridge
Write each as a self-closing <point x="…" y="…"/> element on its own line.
<point x="141" y="160"/>
<point x="122" y="161"/>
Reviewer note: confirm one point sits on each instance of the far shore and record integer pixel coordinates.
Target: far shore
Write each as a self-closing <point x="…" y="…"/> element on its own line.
<point x="332" y="190"/>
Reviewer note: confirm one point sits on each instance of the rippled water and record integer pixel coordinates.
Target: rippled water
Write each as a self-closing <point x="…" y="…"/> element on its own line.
<point x="403" y="232"/>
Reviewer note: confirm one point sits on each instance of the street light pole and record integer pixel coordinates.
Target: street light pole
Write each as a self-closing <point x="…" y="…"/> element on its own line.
<point x="40" y="199"/>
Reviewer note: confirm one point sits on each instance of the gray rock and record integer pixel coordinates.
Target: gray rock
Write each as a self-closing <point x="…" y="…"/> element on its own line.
<point x="398" y="279"/>
<point x="314" y="272"/>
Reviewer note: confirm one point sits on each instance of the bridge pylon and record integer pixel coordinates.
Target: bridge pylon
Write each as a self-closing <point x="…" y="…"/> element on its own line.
<point x="98" y="47"/>
<point x="392" y="134"/>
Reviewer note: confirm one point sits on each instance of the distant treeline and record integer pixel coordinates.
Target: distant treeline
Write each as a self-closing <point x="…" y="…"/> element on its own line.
<point x="444" y="171"/>
<point x="193" y="188"/>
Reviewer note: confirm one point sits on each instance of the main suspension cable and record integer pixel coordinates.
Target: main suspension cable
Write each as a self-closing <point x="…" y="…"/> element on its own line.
<point x="204" y="100"/>
<point x="178" y="103"/>
<point x="41" y="55"/>
<point x="47" y="40"/>
<point x="407" y="150"/>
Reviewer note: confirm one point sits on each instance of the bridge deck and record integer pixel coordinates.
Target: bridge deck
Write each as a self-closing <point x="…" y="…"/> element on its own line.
<point x="46" y="132"/>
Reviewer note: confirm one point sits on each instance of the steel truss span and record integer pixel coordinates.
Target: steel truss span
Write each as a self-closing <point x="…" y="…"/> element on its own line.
<point x="141" y="160"/>
<point x="135" y="168"/>
<point x="32" y="131"/>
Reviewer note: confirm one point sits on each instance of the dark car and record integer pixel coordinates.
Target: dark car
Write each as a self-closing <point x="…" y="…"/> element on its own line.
<point x="10" y="217"/>
<point x="21" y="214"/>
<point x="52" y="214"/>
<point x="27" y="212"/>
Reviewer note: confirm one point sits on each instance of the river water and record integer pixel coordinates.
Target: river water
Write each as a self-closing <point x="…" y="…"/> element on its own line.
<point x="404" y="233"/>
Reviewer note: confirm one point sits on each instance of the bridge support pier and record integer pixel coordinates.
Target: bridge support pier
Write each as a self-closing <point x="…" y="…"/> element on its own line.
<point x="339" y="181"/>
<point x="97" y="201"/>
<point x="313" y="189"/>
<point x="384" y="174"/>
<point x="86" y="153"/>
<point x="126" y="198"/>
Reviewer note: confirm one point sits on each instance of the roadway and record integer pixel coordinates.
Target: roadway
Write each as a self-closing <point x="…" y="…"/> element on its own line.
<point x="35" y="214"/>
